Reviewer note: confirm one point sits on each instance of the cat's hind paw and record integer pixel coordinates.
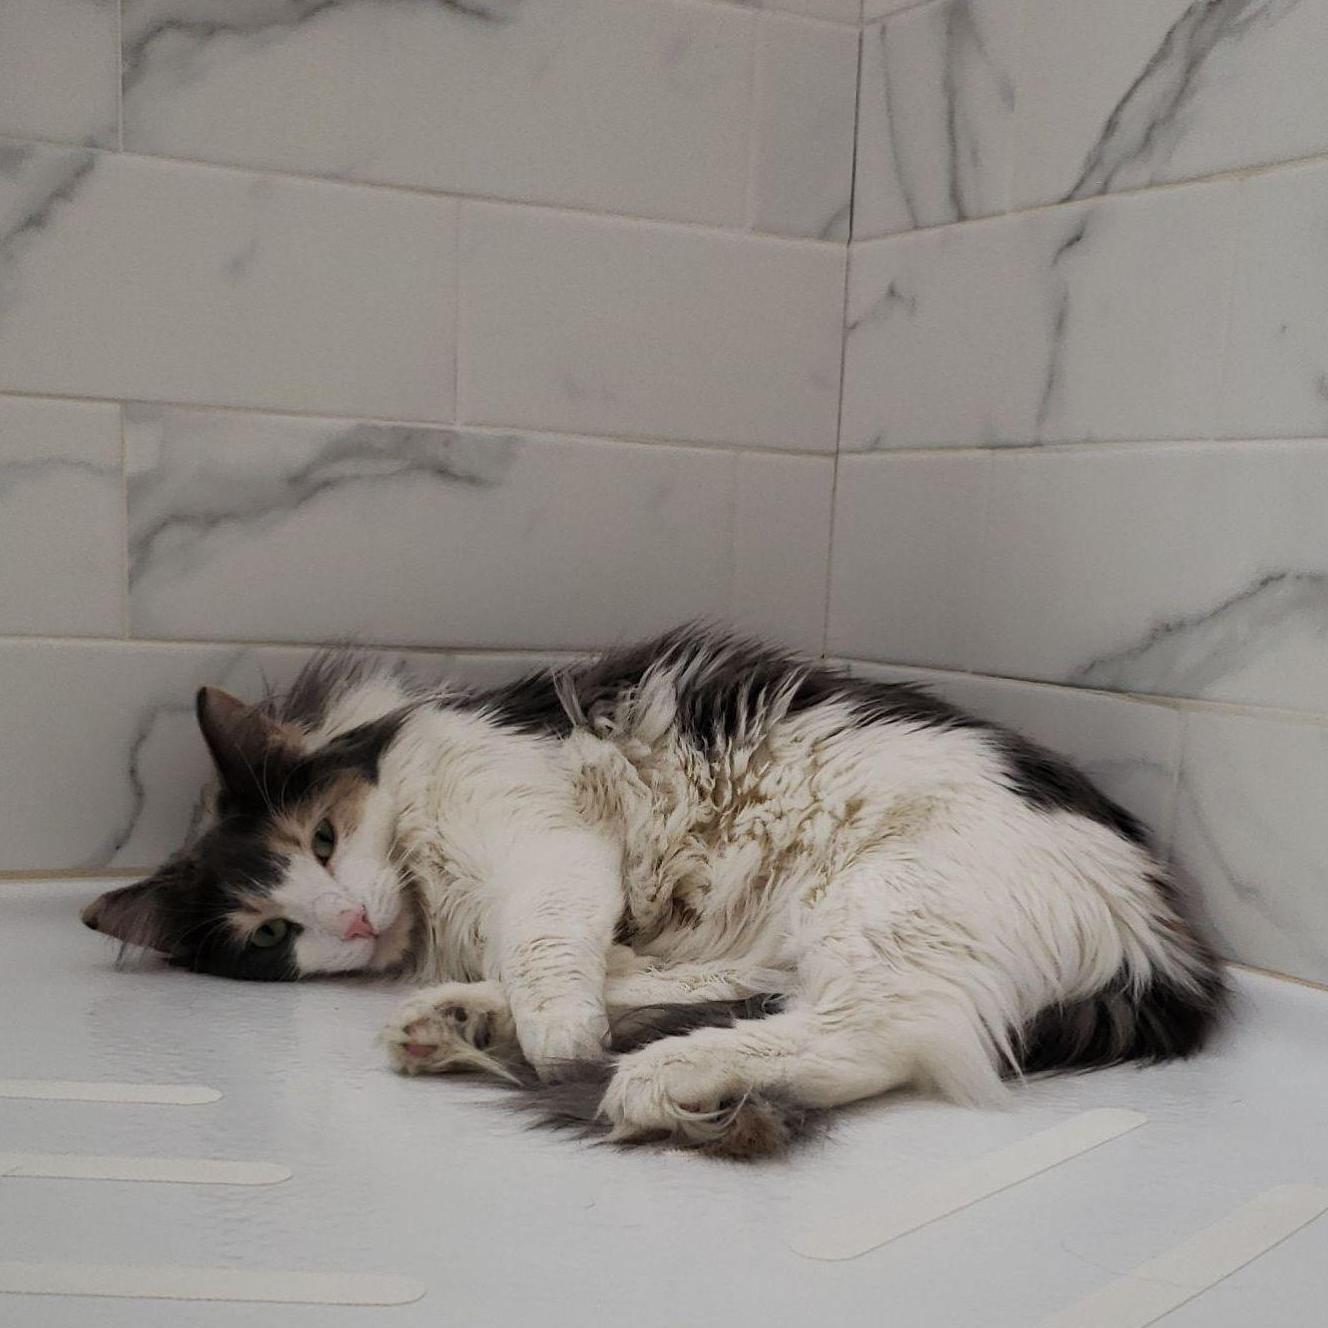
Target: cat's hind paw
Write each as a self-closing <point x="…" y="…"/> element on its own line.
<point x="455" y="1027"/>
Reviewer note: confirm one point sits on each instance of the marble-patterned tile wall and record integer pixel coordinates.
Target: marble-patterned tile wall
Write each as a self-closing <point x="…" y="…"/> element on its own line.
<point x="1083" y="475"/>
<point x="490" y="330"/>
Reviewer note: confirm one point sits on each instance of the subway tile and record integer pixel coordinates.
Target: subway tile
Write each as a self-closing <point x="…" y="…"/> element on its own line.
<point x="60" y="71"/>
<point x="1194" y="571"/>
<point x="62" y="520"/>
<point x="102" y="763"/>
<point x="881" y="8"/>
<point x="907" y="547"/>
<point x="621" y="328"/>
<point x="133" y="278"/>
<point x="635" y="106"/>
<point x="1098" y="321"/>
<point x="803" y="166"/>
<point x="834" y="11"/>
<point x="1275" y="370"/>
<point x="1140" y="92"/>
<point x="935" y="119"/>
<point x="1129" y="749"/>
<point x="1250" y="831"/>
<point x="285" y="528"/>
<point x="782" y="547"/>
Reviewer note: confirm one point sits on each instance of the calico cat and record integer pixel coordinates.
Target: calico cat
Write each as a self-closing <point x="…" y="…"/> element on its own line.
<point x="851" y="886"/>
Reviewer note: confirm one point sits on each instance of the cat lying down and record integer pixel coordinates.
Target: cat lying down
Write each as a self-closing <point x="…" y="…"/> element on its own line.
<point x="693" y="890"/>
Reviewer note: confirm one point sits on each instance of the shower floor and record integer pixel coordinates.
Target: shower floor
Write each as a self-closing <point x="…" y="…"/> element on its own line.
<point x="430" y="1180"/>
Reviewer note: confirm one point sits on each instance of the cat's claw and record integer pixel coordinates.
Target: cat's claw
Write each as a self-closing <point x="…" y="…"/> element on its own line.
<point x="458" y="1026"/>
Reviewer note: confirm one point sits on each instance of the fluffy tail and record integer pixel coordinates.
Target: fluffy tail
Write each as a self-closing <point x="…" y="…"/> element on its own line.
<point x="753" y="1126"/>
<point x="1168" y="1017"/>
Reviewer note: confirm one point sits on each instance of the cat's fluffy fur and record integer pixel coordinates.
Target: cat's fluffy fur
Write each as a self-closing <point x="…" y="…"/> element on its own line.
<point x="906" y="894"/>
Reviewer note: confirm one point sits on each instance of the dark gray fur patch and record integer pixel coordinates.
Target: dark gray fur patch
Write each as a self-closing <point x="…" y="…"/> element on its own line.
<point x="756" y="1126"/>
<point x="729" y="686"/>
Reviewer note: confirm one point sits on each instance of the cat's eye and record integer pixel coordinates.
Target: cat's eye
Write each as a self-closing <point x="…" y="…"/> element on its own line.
<point x="271" y="933"/>
<point x="324" y="841"/>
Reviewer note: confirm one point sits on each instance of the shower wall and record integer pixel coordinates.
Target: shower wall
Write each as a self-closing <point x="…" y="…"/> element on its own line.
<point x="484" y="331"/>
<point x="1083" y="478"/>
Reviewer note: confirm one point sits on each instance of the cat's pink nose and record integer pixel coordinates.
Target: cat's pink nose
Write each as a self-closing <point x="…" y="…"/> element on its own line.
<point x="355" y="923"/>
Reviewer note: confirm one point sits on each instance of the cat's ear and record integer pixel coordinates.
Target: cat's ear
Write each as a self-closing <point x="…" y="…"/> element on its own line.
<point x="136" y="914"/>
<point x="242" y="739"/>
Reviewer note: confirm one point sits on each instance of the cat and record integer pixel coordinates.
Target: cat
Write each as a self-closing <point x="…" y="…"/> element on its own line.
<point x="698" y="888"/>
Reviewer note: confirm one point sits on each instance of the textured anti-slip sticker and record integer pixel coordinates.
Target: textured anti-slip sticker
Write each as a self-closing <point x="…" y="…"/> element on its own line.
<point x="168" y="1170"/>
<point x="1187" y="1270"/>
<point x="176" y="1282"/>
<point x="66" y="1090"/>
<point x="894" y="1216"/>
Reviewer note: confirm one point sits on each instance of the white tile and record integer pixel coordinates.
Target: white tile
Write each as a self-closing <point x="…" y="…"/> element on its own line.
<point x="803" y="165"/>
<point x="905" y="564"/>
<point x="620" y="105"/>
<point x="803" y="150"/>
<point x="62" y="521"/>
<point x="428" y="536"/>
<point x="1251" y="831"/>
<point x="1196" y="571"/>
<point x="880" y="8"/>
<point x="1129" y="749"/>
<point x="1275" y="370"/>
<point x="102" y="763"/>
<point x="131" y="278"/>
<point x="1138" y="92"/>
<point x="782" y="547"/>
<point x="601" y="326"/>
<point x="1081" y="60"/>
<point x="60" y="70"/>
<point x="835" y="11"/>
<point x="935" y="118"/>
<point x="1100" y="321"/>
<point x="948" y="336"/>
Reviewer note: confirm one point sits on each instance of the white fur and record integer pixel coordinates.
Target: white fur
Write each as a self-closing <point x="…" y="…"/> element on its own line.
<point x="915" y="911"/>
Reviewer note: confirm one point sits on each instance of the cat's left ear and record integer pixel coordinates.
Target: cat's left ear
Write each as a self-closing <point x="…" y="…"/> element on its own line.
<point x="136" y="914"/>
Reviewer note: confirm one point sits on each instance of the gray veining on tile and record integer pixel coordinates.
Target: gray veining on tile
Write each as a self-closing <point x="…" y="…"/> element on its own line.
<point x="1192" y="655"/>
<point x="1096" y="321"/>
<point x="1251" y="831"/>
<point x="61" y="518"/>
<point x="177" y="498"/>
<point x="936" y="112"/>
<point x="482" y="97"/>
<point x="163" y="280"/>
<point x="1144" y="92"/>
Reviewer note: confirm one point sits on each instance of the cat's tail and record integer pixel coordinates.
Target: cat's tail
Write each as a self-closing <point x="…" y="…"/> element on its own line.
<point x="1168" y="1015"/>
<point x="754" y="1126"/>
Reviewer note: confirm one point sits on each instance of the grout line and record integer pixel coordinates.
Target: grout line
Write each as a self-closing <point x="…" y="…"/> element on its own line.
<point x="126" y="616"/>
<point x="1276" y="976"/>
<point x="755" y="142"/>
<point x="1089" y="447"/>
<point x="119" y="75"/>
<point x="843" y="355"/>
<point x="522" y="431"/>
<point x="1235" y="176"/>
<point x="251" y="643"/>
<point x="718" y="229"/>
<point x="1183" y="704"/>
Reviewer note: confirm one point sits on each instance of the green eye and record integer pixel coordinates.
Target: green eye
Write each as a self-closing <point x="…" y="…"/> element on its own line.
<point x="270" y="934"/>
<point x="324" y="841"/>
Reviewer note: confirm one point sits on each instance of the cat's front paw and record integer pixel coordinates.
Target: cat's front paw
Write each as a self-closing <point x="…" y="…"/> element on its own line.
<point x="556" y="1041"/>
<point x="457" y="1026"/>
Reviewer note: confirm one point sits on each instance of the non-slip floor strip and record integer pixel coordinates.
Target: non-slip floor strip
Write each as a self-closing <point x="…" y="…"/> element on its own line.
<point x="184" y="1283"/>
<point x="168" y="1170"/>
<point x="174" y="1095"/>
<point x="855" y="1234"/>
<point x="1187" y="1270"/>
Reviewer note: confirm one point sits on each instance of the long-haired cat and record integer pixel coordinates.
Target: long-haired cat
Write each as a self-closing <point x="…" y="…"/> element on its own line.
<point x="852" y="886"/>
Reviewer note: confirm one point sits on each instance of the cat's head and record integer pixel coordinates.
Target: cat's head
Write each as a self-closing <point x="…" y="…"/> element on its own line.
<point x="294" y="874"/>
